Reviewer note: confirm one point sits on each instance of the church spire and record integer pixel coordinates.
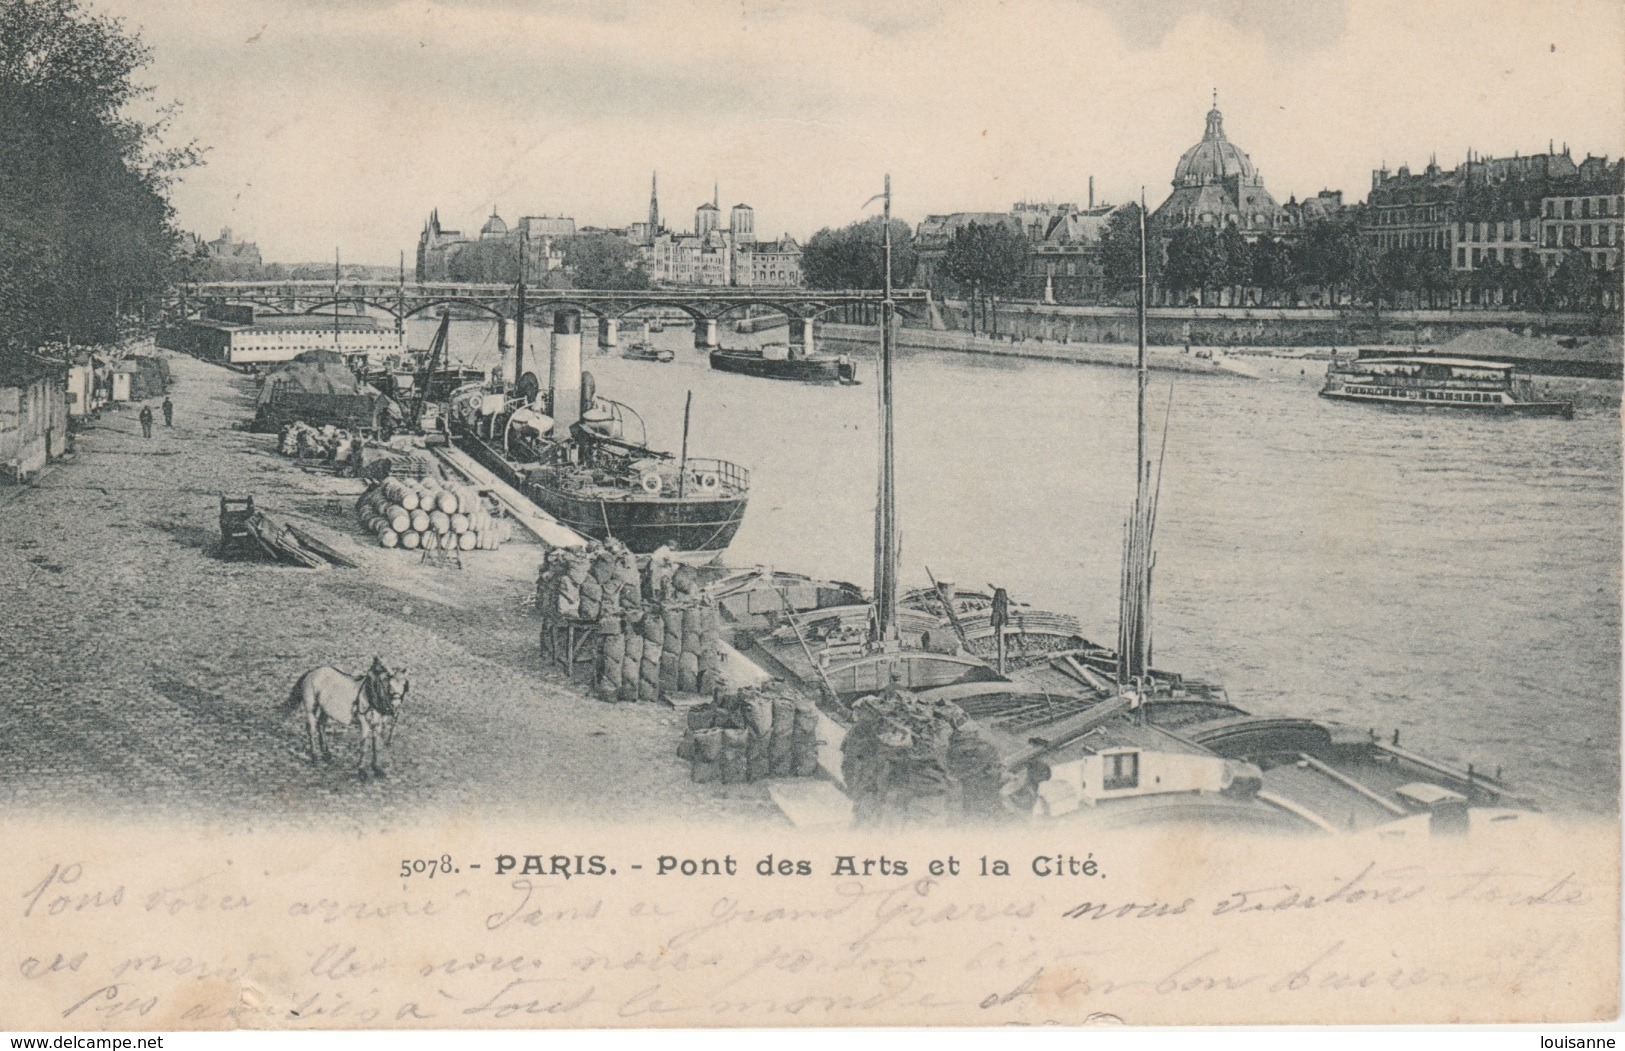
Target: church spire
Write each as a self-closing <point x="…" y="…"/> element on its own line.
<point x="654" y="203"/>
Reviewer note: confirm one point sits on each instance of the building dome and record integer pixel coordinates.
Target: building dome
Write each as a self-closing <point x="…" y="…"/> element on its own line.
<point x="494" y="226"/>
<point x="1214" y="159"/>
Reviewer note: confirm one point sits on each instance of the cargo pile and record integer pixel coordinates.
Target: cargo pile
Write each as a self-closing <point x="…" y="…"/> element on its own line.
<point x="654" y="634"/>
<point x="431" y="515"/>
<point x="760" y="732"/>
<point x="909" y="761"/>
<point x="302" y="441"/>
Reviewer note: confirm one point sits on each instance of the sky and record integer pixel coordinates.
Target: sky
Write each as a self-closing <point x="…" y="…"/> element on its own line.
<point x="341" y="123"/>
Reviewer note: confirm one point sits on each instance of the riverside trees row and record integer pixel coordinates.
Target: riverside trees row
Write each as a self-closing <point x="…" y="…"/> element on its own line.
<point x="1326" y="263"/>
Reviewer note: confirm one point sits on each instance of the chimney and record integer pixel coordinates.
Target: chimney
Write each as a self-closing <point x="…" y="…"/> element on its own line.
<point x="1091" y="193"/>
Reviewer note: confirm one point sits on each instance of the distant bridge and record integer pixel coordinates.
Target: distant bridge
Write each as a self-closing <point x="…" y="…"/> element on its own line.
<point x="402" y="300"/>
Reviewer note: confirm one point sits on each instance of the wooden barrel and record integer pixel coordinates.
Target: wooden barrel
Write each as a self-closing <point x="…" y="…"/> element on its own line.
<point x="411" y="541"/>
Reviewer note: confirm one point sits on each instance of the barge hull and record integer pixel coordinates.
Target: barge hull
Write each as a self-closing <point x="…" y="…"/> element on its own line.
<point x="1515" y="408"/>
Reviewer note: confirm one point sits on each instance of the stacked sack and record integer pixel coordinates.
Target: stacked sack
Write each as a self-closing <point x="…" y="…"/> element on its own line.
<point x="657" y="634"/>
<point x="414" y="513"/>
<point x="760" y="732"/>
<point x="660" y="649"/>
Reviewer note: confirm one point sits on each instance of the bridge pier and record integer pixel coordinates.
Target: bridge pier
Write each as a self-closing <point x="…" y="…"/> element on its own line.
<point x="564" y="372"/>
<point x="609" y="332"/>
<point x="801" y="337"/>
<point x="705" y="333"/>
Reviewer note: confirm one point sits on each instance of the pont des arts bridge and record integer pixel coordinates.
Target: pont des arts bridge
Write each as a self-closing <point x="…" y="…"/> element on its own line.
<point x="507" y="303"/>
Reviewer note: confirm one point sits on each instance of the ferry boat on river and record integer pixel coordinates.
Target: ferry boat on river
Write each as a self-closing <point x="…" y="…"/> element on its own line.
<point x="1455" y="383"/>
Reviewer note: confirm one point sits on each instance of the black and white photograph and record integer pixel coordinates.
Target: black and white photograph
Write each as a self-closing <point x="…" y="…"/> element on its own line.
<point x="773" y="513"/>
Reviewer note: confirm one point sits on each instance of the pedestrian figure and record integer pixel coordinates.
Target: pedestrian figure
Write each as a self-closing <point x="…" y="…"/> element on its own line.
<point x="169" y="412"/>
<point x="146" y="421"/>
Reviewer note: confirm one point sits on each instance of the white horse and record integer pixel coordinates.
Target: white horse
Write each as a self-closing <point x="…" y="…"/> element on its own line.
<point x="371" y="701"/>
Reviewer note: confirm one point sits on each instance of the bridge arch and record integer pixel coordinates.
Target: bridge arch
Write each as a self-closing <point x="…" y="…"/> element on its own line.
<point x="631" y="308"/>
<point x="418" y="308"/>
<point x="312" y="308"/>
<point x="786" y="310"/>
<point x="547" y="306"/>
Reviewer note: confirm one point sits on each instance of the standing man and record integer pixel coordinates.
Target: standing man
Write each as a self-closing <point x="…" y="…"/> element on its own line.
<point x="169" y="412"/>
<point x="146" y="421"/>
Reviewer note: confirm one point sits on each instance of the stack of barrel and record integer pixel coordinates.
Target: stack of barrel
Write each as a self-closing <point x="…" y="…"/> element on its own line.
<point x="759" y="732"/>
<point x="422" y="513"/>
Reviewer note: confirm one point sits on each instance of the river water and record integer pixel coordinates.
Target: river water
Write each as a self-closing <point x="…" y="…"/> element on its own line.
<point x="1452" y="577"/>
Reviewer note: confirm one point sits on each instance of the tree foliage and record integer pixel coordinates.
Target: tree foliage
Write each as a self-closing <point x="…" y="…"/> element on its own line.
<point x="852" y="256"/>
<point x="604" y="261"/>
<point x="989" y="259"/>
<point x="1120" y="251"/>
<point x="85" y="232"/>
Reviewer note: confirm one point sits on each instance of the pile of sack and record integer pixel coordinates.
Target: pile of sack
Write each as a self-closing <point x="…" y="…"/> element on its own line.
<point x="305" y="442"/>
<point x="909" y="761"/>
<point x="588" y="583"/>
<point x="433" y="516"/>
<point x="660" y="650"/>
<point x="760" y="732"/>
<point x="655" y="633"/>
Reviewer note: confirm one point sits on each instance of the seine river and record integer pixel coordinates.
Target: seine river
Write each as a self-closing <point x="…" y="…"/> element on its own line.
<point x="1455" y="578"/>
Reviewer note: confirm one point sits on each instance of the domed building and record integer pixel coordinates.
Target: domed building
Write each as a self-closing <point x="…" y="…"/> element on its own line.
<point x="1215" y="186"/>
<point x="494" y="229"/>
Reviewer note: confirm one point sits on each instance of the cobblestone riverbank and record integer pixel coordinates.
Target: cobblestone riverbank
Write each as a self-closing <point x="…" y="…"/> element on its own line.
<point x="144" y="674"/>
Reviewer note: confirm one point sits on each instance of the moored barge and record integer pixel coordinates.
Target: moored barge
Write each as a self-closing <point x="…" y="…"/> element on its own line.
<point x="783" y="365"/>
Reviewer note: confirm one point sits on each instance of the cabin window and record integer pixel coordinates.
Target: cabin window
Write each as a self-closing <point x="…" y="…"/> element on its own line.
<point x="1122" y="771"/>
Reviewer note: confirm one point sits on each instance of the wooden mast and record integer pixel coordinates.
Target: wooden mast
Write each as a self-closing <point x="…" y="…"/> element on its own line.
<point x="1134" y="610"/>
<point x="519" y="331"/>
<point x="885" y="589"/>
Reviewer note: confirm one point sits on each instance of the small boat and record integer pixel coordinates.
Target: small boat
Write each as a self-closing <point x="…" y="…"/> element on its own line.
<point x="774" y="361"/>
<point x="1453" y="383"/>
<point x="641" y="351"/>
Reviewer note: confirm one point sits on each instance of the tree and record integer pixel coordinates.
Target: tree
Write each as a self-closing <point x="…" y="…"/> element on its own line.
<point x="1328" y="256"/>
<point x="1195" y="260"/>
<point x="1120" y="251"/>
<point x="1270" y="265"/>
<point x="1576" y="285"/>
<point x="1235" y="264"/>
<point x="851" y="257"/>
<point x="604" y="261"/>
<point x="985" y="261"/>
<point x="85" y="222"/>
<point x="484" y="262"/>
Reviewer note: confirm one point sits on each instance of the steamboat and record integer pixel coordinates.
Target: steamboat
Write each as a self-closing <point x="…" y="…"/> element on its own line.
<point x="1436" y="382"/>
<point x="586" y="460"/>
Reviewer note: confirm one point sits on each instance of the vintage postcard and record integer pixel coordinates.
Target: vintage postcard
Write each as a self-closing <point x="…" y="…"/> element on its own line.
<point x="785" y="513"/>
